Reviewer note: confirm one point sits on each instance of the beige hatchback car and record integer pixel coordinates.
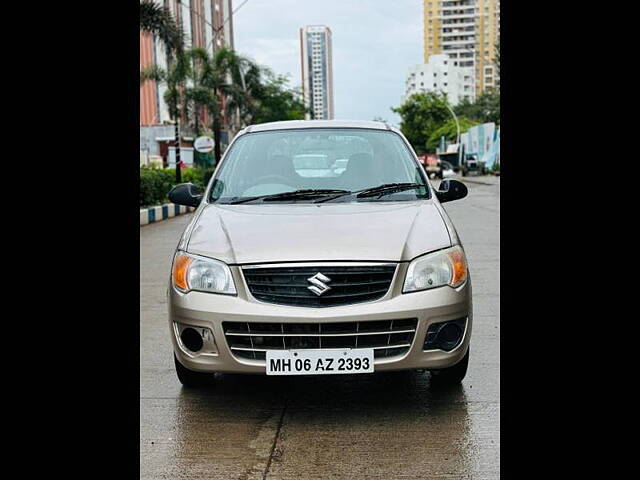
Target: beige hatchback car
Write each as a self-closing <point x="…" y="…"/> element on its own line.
<point x="319" y="248"/>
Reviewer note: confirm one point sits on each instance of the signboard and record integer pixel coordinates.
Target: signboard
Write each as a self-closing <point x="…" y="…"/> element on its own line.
<point x="493" y="154"/>
<point x="203" y="144"/>
<point x="478" y="139"/>
<point x="483" y="141"/>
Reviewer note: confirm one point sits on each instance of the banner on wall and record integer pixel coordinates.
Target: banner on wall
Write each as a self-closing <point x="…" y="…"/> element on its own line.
<point x="478" y="140"/>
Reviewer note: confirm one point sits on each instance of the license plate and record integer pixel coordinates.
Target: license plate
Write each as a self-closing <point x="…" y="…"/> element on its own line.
<point x="320" y="362"/>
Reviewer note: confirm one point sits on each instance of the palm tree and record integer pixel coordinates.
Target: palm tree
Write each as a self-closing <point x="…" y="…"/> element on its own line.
<point x="223" y="85"/>
<point x="158" y="20"/>
<point x="198" y="98"/>
<point x="174" y="77"/>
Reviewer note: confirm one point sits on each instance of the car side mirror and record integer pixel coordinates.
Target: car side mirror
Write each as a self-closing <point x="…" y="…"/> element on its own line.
<point x="450" y="189"/>
<point x="185" y="194"/>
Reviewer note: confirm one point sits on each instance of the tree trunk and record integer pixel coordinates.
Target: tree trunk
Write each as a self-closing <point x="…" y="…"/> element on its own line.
<point x="195" y="135"/>
<point x="178" y="161"/>
<point x="217" y="133"/>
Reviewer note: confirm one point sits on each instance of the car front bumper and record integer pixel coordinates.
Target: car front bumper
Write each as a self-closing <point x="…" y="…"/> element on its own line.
<point x="205" y="310"/>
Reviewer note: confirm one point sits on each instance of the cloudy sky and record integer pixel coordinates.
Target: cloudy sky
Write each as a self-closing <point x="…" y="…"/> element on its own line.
<point x="374" y="43"/>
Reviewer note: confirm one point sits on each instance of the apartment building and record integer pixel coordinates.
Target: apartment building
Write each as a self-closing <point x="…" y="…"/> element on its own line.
<point x="440" y="75"/>
<point x="317" y="71"/>
<point x="467" y="31"/>
<point x="206" y="23"/>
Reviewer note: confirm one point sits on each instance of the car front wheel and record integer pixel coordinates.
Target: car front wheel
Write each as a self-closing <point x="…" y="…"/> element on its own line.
<point x="453" y="374"/>
<point x="189" y="378"/>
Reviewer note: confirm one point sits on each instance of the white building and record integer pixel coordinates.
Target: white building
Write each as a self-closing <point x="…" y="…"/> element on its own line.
<point x="317" y="71"/>
<point x="442" y="76"/>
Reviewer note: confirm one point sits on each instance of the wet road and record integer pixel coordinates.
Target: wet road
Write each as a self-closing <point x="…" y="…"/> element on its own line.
<point x="385" y="426"/>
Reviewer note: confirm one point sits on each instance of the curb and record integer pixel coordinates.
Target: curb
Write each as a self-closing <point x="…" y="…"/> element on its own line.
<point x="162" y="212"/>
<point x="477" y="182"/>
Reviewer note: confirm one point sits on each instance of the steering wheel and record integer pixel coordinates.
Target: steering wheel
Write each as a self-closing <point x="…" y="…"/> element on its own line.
<point x="278" y="179"/>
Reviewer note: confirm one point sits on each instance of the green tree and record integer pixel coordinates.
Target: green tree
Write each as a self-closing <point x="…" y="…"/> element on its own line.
<point x="174" y="77"/>
<point x="449" y="131"/>
<point x="158" y="20"/>
<point x="486" y="108"/>
<point x="224" y="86"/>
<point x="421" y="115"/>
<point x="198" y="97"/>
<point x="275" y="100"/>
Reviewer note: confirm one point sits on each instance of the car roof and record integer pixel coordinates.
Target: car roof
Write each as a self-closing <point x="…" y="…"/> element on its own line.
<point x="294" y="124"/>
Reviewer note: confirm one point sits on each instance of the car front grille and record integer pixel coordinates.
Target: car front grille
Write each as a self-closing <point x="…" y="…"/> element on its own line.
<point x="388" y="338"/>
<point x="347" y="284"/>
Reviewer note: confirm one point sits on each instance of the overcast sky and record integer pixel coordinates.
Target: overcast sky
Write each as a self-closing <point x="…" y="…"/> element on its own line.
<point x="374" y="43"/>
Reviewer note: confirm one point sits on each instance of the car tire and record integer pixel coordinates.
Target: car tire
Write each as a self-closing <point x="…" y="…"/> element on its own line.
<point x="189" y="378"/>
<point x="454" y="374"/>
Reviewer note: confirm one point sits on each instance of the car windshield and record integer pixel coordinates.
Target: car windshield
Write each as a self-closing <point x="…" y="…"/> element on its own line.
<point x="333" y="161"/>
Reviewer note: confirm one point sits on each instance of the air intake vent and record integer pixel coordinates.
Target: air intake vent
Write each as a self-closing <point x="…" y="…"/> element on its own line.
<point x="388" y="338"/>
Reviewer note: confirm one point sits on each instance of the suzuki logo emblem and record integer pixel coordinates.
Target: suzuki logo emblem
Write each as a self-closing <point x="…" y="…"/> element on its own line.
<point x="319" y="282"/>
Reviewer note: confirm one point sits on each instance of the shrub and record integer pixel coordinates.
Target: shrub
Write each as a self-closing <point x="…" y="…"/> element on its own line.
<point x="198" y="176"/>
<point x="155" y="183"/>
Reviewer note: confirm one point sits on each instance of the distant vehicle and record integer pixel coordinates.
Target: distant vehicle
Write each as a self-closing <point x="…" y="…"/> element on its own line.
<point x="462" y="162"/>
<point x="447" y="170"/>
<point x="451" y="158"/>
<point x="433" y="167"/>
<point x="471" y="164"/>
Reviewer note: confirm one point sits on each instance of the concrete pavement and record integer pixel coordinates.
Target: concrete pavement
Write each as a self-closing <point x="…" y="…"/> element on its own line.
<point x="376" y="426"/>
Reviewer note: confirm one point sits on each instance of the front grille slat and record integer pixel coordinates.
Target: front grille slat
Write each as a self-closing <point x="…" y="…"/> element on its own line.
<point x="385" y="347"/>
<point x="293" y="271"/>
<point x="388" y="338"/>
<point x="348" y="284"/>
<point x="388" y="332"/>
<point x="305" y="284"/>
<point x="289" y="295"/>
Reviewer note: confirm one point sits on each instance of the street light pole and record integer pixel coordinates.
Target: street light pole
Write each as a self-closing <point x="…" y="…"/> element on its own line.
<point x="177" y="150"/>
<point x="455" y="118"/>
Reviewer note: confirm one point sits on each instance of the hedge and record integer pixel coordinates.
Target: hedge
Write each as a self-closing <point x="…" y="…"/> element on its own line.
<point x="155" y="183"/>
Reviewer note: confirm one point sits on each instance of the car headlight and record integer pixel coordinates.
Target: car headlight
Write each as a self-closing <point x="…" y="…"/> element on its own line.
<point x="444" y="267"/>
<point x="192" y="272"/>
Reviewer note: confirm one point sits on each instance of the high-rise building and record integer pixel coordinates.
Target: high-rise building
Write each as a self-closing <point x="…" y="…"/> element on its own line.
<point x="467" y="31"/>
<point x="442" y="76"/>
<point x="317" y="71"/>
<point x="206" y="23"/>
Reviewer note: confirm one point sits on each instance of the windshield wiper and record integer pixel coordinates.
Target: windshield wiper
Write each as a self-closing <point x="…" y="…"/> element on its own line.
<point x="386" y="188"/>
<point x="296" y="194"/>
